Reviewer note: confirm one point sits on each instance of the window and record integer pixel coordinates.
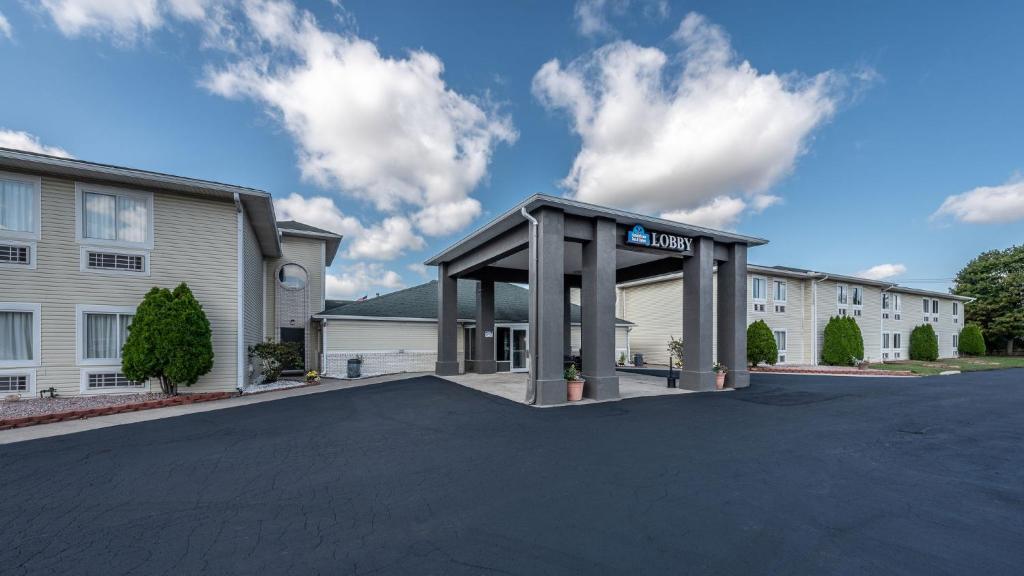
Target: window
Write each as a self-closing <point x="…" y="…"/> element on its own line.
<point x="19" y="206"/>
<point x="14" y="383"/>
<point x="780" y="343"/>
<point x="102" y="333"/>
<point x="885" y="300"/>
<point x="292" y="276"/>
<point x="858" y="295"/>
<point x="896" y="306"/>
<point x="841" y="294"/>
<point x="897" y="345"/>
<point x="19" y="334"/>
<point x="927" y="305"/>
<point x="780" y="290"/>
<point x="111" y="216"/>
<point x="96" y="380"/>
<point x="14" y="254"/>
<point x="113" y="261"/>
<point x="956" y="344"/>
<point x="935" y="306"/>
<point x="758" y="288"/>
<point x="886" y="354"/>
<point x="956" y="313"/>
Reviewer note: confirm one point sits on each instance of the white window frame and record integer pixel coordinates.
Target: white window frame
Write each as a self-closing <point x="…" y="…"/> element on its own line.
<point x="842" y="290"/>
<point x="30" y="385"/>
<point x="83" y="384"/>
<point x="860" y="290"/>
<point x="83" y="261"/>
<point x="753" y="283"/>
<point x="35" y="234"/>
<point x="896" y="306"/>
<point x="82" y="188"/>
<point x="80" y="311"/>
<point x="37" y="339"/>
<point x="775" y="290"/>
<point x="30" y="265"/>
<point x="956" y="344"/>
<point x="956" y="312"/>
<point x="781" y="351"/>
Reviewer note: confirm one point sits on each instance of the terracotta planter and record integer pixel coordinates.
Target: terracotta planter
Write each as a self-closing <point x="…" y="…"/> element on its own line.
<point x="575" y="390"/>
<point x="720" y="380"/>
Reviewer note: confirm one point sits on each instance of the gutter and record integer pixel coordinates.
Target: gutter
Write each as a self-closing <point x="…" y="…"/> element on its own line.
<point x="240" y="272"/>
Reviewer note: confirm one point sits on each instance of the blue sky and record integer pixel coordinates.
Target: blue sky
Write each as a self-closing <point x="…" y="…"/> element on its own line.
<point x="850" y="135"/>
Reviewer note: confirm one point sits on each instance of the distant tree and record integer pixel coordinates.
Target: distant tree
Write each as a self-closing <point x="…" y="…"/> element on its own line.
<point x="972" y="342"/>
<point x="761" y="346"/>
<point x="924" y="343"/>
<point x="169" y="340"/>
<point x="996" y="279"/>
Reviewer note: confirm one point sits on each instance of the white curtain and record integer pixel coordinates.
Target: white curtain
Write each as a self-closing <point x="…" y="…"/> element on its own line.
<point x="99" y="214"/>
<point x="125" y="322"/>
<point x="16" y="335"/>
<point x="101" y="336"/>
<point x="132" y="219"/>
<point x="17" y="206"/>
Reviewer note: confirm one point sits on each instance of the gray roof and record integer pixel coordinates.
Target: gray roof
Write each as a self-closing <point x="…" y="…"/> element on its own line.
<point x="295" y="228"/>
<point x="511" y="304"/>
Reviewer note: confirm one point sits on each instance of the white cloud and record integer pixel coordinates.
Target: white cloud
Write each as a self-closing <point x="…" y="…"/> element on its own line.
<point x="987" y="204"/>
<point x="124" y="20"/>
<point x="722" y="212"/>
<point x="5" y="27"/>
<point x="692" y="139"/>
<point x="19" y="140"/>
<point x="882" y="271"/>
<point x="592" y="15"/>
<point x="421" y="269"/>
<point x="384" y="241"/>
<point x="381" y="129"/>
<point x="361" y="279"/>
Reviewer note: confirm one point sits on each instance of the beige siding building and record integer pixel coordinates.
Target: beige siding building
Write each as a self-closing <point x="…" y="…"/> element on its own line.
<point x="81" y="244"/>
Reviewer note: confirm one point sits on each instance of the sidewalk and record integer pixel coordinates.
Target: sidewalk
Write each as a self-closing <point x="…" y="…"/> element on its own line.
<point x="72" y="426"/>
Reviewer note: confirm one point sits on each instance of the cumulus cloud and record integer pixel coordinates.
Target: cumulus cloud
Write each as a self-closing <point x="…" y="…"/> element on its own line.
<point x="18" y="140"/>
<point x="124" y="20"/>
<point x="362" y="279"/>
<point x="386" y="240"/>
<point x="381" y="129"/>
<point x="691" y="133"/>
<point x="421" y="269"/>
<point x="986" y="204"/>
<point x="5" y="27"/>
<point x="882" y="271"/>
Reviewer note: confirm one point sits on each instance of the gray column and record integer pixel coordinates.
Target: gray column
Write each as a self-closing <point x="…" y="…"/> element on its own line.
<point x="447" y="323"/>
<point x="598" y="301"/>
<point x="567" y="322"/>
<point x="732" y="316"/>
<point x="484" y="361"/>
<point x="547" y="308"/>
<point x="698" y="317"/>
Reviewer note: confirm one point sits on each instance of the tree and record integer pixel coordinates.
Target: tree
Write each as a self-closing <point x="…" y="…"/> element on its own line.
<point x="761" y="346"/>
<point x="842" y="342"/>
<point x="924" y="344"/>
<point x="856" y="338"/>
<point x="675" y="350"/>
<point x="169" y="340"/>
<point x="972" y="342"/>
<point x="996" y="279"/>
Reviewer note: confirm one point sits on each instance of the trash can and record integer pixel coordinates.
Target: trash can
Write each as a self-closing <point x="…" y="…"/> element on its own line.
<point x="638" y="359"/>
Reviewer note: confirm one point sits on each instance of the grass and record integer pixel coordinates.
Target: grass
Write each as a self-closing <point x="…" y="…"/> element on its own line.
<point x="965" y="364"/>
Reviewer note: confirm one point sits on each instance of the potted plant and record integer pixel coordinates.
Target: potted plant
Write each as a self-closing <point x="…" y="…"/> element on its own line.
<point x="720" y="372"/>
<point x="622" y="359"/>
<point x="574" y="382"/>
<point x="355" y="366"/>
<point x="312" y="377"/>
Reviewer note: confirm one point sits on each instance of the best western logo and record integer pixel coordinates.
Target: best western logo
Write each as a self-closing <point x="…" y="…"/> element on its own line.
<point x="640" y="237"/>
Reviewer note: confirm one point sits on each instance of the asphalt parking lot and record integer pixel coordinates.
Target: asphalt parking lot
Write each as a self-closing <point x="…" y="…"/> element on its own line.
<point x="795" y="475"/>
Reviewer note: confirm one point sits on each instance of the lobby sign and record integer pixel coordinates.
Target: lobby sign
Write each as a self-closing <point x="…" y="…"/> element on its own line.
<point x="637" y="236"/>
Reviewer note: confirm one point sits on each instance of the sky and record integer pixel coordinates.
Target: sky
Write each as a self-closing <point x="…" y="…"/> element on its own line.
<point x="877" y="138"/>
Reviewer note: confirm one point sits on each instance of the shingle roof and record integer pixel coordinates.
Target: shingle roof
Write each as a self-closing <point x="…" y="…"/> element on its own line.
<point x="511" y="304"/>
<point x="332" y="240"/>
<point x="301" y="227"/>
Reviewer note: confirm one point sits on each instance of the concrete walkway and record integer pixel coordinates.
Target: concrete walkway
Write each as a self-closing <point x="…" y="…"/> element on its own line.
<point x="72" y="426"/>
<point x="512" y="386"/>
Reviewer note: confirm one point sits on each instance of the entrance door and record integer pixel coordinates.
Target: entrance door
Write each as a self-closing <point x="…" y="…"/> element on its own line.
<point x="520" y="359"/>
<point x="298" y="336"/>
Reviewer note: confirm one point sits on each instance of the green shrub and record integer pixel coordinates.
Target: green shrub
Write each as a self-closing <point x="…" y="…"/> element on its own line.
<point x="972" y="341"/>
<point x="842" y="342"/>
<point x="924" y="344"/>
<point x="274" y="357"/>
<point x="169" y="339"/>
<point x="761" y="346"/>
<point x="675" y="351"/>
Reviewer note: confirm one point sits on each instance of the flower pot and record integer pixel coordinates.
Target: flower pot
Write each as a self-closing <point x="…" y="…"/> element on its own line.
<point x="720" y="380"/>
<point x="575" y="390"/>
<point x="355" y="368"/>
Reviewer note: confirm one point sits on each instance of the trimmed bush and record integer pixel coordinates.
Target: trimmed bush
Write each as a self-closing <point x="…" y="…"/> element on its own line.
<point x="761" y="346"/>
<point x="924" y="344"/>
<point x="843" y="342"/>
<point x="972" y="341"/>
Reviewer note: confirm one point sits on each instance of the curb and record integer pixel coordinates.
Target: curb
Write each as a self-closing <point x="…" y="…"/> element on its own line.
<point x="835" y="372"/>
<point x="109" y="410"/>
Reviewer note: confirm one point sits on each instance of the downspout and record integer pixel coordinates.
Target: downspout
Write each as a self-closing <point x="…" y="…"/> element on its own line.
<point x="531" y="384"/>
<point x="242" y="364"/>
<point x="814" y="320"/>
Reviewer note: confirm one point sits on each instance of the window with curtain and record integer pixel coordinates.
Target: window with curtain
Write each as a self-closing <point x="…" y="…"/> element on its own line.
<point x="780" y="291"/>
<point x="116" y="217"/>
<point x="16" y="335"/>
<point x="17" y="206"/>
<point x="104" y="335"/>
<point x="758" y="288"/>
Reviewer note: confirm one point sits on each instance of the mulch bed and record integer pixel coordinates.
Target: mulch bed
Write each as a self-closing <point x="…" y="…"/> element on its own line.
<point x="113" y="409"/>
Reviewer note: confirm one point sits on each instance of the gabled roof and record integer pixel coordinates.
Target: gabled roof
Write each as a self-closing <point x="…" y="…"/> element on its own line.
<point x="258" y="204"/>
<point x="294" y="228"/>
<point x="511" y="304"/>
